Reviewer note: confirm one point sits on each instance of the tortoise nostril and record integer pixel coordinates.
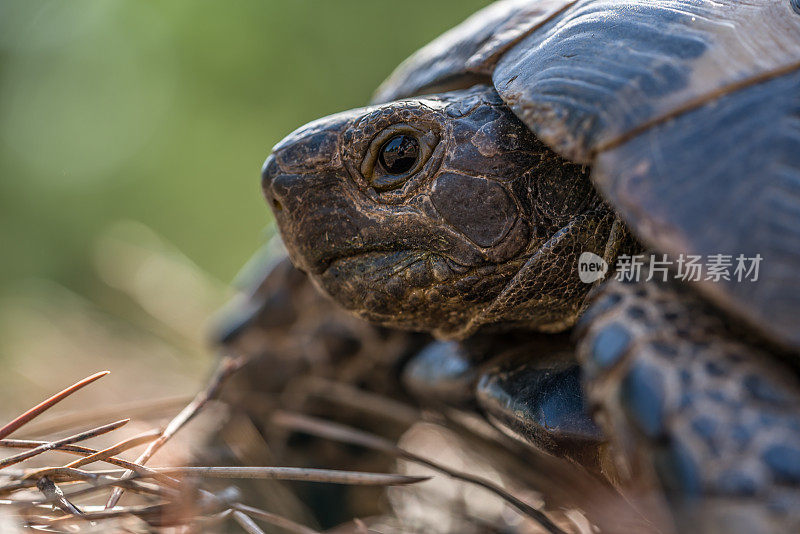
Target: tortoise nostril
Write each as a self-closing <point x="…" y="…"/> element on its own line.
<point x="268" y="172"/>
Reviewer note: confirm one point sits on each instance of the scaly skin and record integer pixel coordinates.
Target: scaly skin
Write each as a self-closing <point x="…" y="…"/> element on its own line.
<point x="693" y="406"/>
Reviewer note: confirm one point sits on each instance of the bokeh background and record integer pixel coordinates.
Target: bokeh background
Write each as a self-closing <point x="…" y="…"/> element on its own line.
<point x="131" y="137"/>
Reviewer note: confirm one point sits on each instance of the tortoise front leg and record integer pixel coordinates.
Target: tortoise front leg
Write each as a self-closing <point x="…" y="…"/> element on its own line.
<point x="527" y="385"/>
<point x="693" y="407"/>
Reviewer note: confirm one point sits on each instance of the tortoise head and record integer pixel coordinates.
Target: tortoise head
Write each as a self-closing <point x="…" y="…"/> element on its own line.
<point x="422" y="213"/>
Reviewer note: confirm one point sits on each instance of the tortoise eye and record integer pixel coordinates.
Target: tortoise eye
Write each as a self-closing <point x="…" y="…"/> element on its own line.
<point x="399" y="154"/>
<point x="396" y="155"/>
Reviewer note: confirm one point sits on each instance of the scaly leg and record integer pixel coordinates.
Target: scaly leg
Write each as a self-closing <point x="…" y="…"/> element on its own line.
<point x="693" y="407"/>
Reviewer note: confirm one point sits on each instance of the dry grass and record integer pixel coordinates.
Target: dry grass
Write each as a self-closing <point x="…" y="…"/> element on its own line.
<point x="175" y="499"/>
<point x="80" y="496"/>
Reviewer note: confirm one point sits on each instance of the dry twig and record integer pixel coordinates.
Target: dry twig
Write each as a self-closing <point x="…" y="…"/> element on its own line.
<point x="226" y="368"/>
<point x="345" y="434"/>
<point x="40" y="408"/>
<point x="83" y="436"/>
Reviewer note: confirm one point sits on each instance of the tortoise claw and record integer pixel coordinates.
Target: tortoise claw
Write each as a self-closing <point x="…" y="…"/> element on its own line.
<point x="541" y="402"/>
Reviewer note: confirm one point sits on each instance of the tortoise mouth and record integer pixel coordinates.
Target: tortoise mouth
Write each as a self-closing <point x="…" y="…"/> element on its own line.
<point x="400" y="288"/>
<point x="326" y="261"/>
<point x="385" y="262"/>
<point x="390" y="271"/>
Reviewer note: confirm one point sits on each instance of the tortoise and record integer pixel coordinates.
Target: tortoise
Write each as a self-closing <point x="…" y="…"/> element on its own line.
<point x="533" y="188"/>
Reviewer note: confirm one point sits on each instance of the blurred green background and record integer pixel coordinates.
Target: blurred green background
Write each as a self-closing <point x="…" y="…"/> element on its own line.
<point x="132" y="133"/>
<point x="162" y="113"/>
